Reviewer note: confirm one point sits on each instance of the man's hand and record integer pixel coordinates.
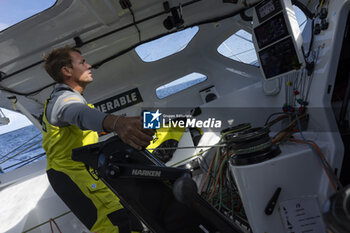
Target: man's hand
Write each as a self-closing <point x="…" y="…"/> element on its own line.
<point x="129" y="129"/>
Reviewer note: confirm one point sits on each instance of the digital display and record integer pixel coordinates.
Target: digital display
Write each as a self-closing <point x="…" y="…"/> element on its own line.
<point x="271" y="31"/>
<point x="279" y="58"/>
<point x="267" y="8"/>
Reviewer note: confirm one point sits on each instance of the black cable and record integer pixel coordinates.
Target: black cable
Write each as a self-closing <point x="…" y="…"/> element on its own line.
<point x="29" y="160"/>
<point x="310" y="15"/>
<point x="21" y="70"/>
<point x="311" y="40"/>
<point x="4" y="156"/>
<point x="303" y="8"/>
<point x="12" y="156"/>
<point x="25" y="93"/>
<point x="274" y="114"/>
<point x="134" y="21"/>
<point x="206" y="169"/>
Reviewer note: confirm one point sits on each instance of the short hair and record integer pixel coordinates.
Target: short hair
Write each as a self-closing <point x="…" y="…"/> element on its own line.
<point x="56" y="59"/>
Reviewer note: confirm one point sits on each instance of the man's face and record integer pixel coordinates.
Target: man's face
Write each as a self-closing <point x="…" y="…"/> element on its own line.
<point x="81" y="72"/>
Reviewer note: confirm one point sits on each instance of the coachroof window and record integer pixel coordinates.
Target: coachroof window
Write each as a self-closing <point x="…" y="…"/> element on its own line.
<point x="239" y="47"/>
<point x="166" y="46"/>
<point x="180" y="84"/>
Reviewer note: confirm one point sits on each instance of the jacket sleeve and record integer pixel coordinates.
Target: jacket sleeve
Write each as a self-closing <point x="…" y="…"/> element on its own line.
<point x="72" y="109"/>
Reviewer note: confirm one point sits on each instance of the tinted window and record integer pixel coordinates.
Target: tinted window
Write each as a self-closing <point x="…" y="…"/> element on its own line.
<point x="239" y="47"/>
<point x="180" y="84"/>
<point x="166" y="46"/>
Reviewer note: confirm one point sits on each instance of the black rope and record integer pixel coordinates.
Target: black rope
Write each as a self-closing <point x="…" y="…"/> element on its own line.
<point x="8" y="158"/>
<point x="29" y="160"/>
<point x="4" y="156"/>
<point x="311" y="41"/>
<point x="302" y="7"/>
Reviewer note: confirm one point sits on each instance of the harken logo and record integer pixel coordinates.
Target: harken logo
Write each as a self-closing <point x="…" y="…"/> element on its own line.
<point x="151" y="120"/>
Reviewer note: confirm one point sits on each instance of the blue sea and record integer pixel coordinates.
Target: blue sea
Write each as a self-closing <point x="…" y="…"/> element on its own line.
<point x="20" y="147"/>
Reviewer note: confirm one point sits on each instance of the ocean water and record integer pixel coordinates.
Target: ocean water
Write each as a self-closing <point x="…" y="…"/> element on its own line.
<point x="20" y="147"/>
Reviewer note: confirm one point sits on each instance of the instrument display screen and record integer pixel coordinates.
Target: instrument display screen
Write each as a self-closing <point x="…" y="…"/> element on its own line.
<point x="279" y="58"/>
<point x="271" y="31"/>
<point x="267" y="8"/>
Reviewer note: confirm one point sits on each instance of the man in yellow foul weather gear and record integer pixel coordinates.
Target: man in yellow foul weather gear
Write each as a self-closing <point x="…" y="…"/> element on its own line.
<point x="69" y="122"/>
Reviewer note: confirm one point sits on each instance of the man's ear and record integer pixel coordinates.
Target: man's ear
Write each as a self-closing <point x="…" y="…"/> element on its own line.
<point x="66" y="71"/>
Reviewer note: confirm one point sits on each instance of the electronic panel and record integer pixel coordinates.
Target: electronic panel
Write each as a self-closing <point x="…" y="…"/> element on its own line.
<point x="277" y="38"/>
<point x="267" y="8"/>
<point x="271" y="30"/>
<point x="280" y="58"/>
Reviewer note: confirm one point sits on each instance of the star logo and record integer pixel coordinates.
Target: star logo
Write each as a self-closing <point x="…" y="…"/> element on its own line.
<point x="156" y="115"/>
<point x="151" y="120"/>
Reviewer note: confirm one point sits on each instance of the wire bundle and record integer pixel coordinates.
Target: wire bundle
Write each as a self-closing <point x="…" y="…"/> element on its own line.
<point x="218" y="187"/>
<point x="287" y="135"/>
<point x="333" y="178"/>
<point x="287" y="132"/>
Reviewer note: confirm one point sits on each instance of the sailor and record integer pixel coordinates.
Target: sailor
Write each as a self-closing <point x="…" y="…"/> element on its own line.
<point x="69" y="122"/>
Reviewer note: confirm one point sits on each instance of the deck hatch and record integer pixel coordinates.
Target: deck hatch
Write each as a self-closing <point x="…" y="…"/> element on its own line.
<point x="239" y="47"/>
<point x="180" y="84"/>
<point x="166" y="45"/>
